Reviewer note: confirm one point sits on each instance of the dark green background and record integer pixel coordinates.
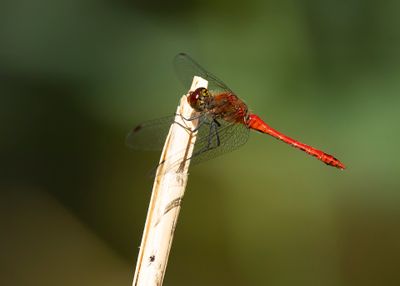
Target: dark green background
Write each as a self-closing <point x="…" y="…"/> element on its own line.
<point x="76" y="75"/>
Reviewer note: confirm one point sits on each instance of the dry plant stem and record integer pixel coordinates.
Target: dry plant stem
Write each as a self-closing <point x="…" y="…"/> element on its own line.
<point x="168" y="190"/>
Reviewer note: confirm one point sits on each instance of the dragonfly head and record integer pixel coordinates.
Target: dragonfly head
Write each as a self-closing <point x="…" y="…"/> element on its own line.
<point x="198" y="98"/>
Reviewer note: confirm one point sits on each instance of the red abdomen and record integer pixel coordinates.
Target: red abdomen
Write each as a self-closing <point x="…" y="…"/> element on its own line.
<point x="255" y="123"/>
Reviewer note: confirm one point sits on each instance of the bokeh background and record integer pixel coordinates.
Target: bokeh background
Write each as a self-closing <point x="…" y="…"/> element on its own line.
<point x="77" y="75"/>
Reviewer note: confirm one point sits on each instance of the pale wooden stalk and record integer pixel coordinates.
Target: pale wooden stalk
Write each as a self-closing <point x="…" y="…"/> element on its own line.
<point x="168" y="190"/>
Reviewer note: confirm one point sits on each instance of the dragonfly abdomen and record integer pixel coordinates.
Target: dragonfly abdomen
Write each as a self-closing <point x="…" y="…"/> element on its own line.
<point x="256" y="123"/>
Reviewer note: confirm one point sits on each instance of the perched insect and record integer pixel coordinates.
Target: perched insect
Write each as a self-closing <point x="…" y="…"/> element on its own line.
<point x="224" y="121"/>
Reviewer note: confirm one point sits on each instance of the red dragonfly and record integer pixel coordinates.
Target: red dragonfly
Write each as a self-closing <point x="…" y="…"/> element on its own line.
<point x="224" y="121"/>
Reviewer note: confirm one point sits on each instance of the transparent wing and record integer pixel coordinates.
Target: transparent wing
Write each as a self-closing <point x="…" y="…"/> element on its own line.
<point x="214" y="138"/>
<point x="186" y="68"/>
<point x="150" y="135"/>
<point x="212" y="142"/>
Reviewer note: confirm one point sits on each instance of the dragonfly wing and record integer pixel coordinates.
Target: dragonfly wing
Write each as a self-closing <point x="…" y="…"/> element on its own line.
<point x="223" y="139"/>
<point x="210" y="144"/>
<point x="150" y="135"/>
<point x="212" y="139"/>
<point x="186" y="68"/>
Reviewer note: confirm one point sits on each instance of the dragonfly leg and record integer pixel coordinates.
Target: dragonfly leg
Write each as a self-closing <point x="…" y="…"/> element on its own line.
<point x="190" y="118"/>
<point x="195" y="129"/>
<point x="213" y="131"/>
<point x="201" y="123"/>
<point x="217" y="125"/>
<point x="183" y="126"/>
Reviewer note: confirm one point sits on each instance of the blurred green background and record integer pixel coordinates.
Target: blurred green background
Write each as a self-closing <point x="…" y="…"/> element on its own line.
<point x="76" y="75"/>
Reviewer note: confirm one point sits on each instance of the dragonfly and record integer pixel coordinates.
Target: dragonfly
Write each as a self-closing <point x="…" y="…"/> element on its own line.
<point x="224" y="124"/>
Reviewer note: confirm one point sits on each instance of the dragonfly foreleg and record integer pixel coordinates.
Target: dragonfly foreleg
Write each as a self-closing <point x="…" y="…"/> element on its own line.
<point x="201" y="122"/>
<point x="188" y="129"/>
<point x="190" y="118"/>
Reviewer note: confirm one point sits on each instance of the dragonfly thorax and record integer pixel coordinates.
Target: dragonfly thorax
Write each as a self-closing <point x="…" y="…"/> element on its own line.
<point x="199" y="99"/>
